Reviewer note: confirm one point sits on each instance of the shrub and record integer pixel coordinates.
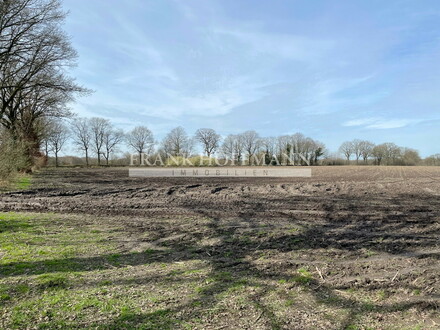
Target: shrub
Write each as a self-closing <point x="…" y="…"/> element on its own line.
<point x="13" y="157"/>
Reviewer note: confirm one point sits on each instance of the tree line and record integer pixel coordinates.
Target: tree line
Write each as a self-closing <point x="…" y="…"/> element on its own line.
<point x="99" y="138"/>
<point x="381" y="154"/>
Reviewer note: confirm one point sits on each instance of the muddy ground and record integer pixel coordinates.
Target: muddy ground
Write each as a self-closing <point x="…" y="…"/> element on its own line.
<point x="359" y="246"/>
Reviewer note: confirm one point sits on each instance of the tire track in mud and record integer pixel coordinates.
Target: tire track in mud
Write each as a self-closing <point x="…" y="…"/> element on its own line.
<point x="356" y="229"/>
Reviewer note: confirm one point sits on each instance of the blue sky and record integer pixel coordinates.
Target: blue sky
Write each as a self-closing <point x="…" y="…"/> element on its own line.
<point x="332" y="70"/>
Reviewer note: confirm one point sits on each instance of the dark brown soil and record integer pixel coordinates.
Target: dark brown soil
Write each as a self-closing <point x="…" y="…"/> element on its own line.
<point x="370" y="236"/>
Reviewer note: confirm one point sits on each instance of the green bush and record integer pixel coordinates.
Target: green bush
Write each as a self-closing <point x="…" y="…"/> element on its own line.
<point x="13" y="157"/>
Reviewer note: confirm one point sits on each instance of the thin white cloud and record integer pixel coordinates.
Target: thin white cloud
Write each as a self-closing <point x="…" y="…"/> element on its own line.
<point x="360" y="122"/>
<point x="393" y="123"/>
<point x="379" y="123"/>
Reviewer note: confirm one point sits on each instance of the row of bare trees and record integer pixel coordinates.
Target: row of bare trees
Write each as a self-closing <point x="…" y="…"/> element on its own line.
<point x="382" y="154"/>
<point x="35" y="55"/>
<point x="295" y="149"/>
<point x="98" y="137"/>
<point x="244" y="148"/>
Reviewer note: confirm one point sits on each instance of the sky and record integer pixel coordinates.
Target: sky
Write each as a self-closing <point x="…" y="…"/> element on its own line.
<point x="332" y="70"/>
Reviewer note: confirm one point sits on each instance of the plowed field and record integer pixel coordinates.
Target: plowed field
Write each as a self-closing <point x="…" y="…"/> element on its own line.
<point x="350" y="247"/>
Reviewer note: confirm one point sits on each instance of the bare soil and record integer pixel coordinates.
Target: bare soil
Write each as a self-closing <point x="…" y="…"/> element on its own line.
<point x="350" y="247"/>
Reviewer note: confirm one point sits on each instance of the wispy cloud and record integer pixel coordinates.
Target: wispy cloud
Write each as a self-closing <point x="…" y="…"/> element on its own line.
<point x="380" y="123"/>
<point x="393" y="123"/>
<point x="360" y="122"/>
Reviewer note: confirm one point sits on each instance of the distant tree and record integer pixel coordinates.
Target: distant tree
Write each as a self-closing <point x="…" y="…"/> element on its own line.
<point x="302" y="149"/>
<point x="347" y="149"/>
<point x="379" y="152"/>
<point x="251" y="143"/>
<point x="228" y="147"/>
<point x="410" y="157"/>
<point x="366" y="149"/>
<point x="232" y="148"/>
<point x="82" y="136"/>
<point x="47" y="132"/>
<point x="177" y="143"/>
<point x="269" y="145"/>
<point x="112" y="138"/>
<point x="141" y="140"/>
<point x="393" y="153"/>
<point x="98" y="128"/>
<point x="58" y="137"/>
<point x="209" y="139"/>
<point x="433" y="160"/>
<point x="318" y="151"/>
<point x="283" y="149"/>
<point x="357" y="149"/>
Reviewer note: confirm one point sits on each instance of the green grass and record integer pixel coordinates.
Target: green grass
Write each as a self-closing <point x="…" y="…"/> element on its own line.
<point x="45" y="266"/>
<point x="303" y="277"/>
<point x="56" y="272"/>
<point x="36" y="244"/>
<point x="52" y="281"/>
<point x="16" y="182"/>
<point x="67" y="271"/>
<point x="23" y="182"/>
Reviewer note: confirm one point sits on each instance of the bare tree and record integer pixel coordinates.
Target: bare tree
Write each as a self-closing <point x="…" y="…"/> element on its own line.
<point x="82" y="136"/>
<point x="209" y="139"/>
<point x="299" y="148"/>
<point x="112" y="138"/>
<point x="232" y="148"/>
<point x="393" y="153"/>
<point x="177" y="143"/>
<point x="141" y="140"/>
<point x="47" y="132"/>
<point x="58" y="138"/>
<point x="251" y="144"/>
<point x="346" y="149"/>
<point x="366" y="148"/>
<point x="227" y="148"/>
<point x="98" y="128"/>
<point x="34" y="56"/>
<point x="357" y="149"/>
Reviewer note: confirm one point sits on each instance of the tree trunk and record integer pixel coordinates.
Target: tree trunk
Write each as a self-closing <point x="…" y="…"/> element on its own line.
<point x="87" y="158"/>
